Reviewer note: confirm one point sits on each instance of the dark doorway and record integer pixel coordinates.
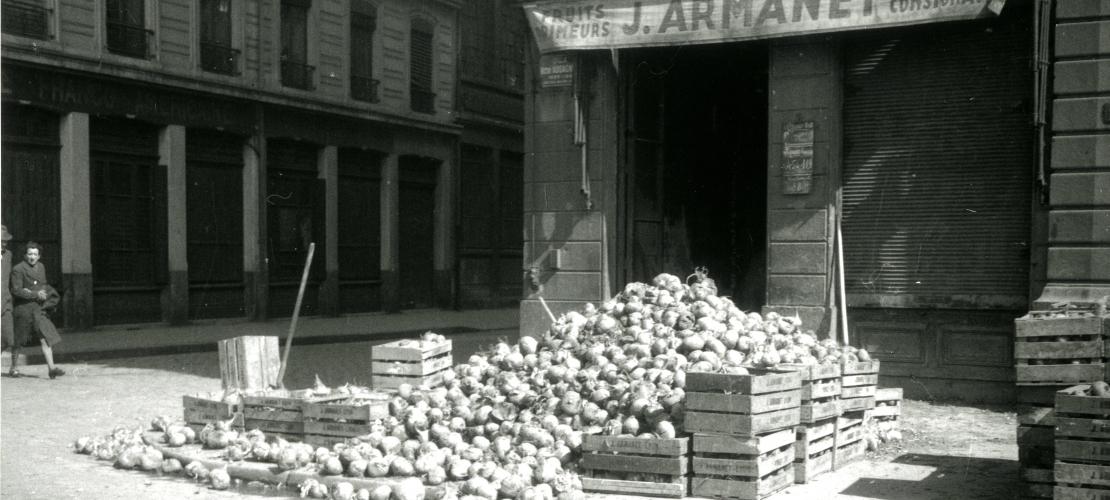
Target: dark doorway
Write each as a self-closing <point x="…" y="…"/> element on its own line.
<point x="417" y="231"/>
<point x="696" y="166"/>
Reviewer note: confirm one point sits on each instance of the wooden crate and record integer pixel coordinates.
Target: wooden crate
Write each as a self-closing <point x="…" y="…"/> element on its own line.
<point x="1081" y="481"/>
<point x="279" y="412"/>
<point x="412" y="362"/>
<point x="849" y="453"/>
<point x="1082" y="427"/>
<point x="813" y="449"/>
<point x="757" y="403"/>
<point x="1061" y="347"/>
<point x="1036" y="482"/>
<point x="664" y="459"/>
<point x="849" y="428"/>
<point x="744" y="467"/>
<point x="856" y="404"/>
<point x="859" y="367"/>
<point x="209" y="408"/>
<point x="859" y="382"/>
<point x="820" y="391"/>
<point x="249" y="362"/>
<point x="888" y="404"/>
<point x="344" y="416"/>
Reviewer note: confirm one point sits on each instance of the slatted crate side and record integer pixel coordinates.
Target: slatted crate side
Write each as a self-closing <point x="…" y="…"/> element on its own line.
<point x="249" y="362"/>
<point x="889" y="411"/>
<point x="318" y="440"/>
<point x="273" y="414"/>
<point x="814" y="373"/>
<point x="856" y="404"/>
<point x="1042" y="324"/>
<point x="363" y="409"/>
<point x="1077" y="348"/>
<point x="671" y="466"/>
<point x="862" y="379"/>
<point x="1083" y="428"/>
<point x="806" y="449"/>
<point x="859" y="367"/>
<point x="1074" y="401"/>
<point x="743" y="403"/>
<point x="672" y="447"/>
<point x="383" y="381"/>
<point x="412" y="369"/>
<point x="1060" y="374"/>
<point x="817" y="410"/>
<point x="281" y="426"/>
<point x="1081" y="474"/>
<point x="331" y="428"/>
<point x="404" y="350"/>
<point x="808" y="469"/>
<point x="212" y="402"/>
<point x="816" y="430"/>
<point x="733" y="423"/>
<point x="743" y="488"/>
<point x="744" y="465"/>
<point x="1070" y="450"/>
<point x="1036" y="483"/>
<point x="676" y="489"/>
<point x="821" y="389"/>
<point x="741" y="445"/>
<point x="288" y="400"/>
<point x="757" y="381"/>
<point x="847" y="454"/>
<point x="1073" y="493"/>
<point x="859" y="391"/>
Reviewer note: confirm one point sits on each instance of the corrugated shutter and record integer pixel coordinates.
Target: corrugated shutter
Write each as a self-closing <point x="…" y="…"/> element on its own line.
<point x="938" y="166"/>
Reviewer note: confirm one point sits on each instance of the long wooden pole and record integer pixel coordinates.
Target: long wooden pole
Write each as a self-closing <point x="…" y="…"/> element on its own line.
<point x="296" y="314"/>
<point x="840" y="279"/>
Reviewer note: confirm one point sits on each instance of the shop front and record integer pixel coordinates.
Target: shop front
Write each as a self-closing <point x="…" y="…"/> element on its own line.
<point x="743" y="137"/>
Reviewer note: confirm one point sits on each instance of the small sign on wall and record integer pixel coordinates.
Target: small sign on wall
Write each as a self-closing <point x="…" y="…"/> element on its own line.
<point x="556" y="71"/>
<point x="797" y="158"/>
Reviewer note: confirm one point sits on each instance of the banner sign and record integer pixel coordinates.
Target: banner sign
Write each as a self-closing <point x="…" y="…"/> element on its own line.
<point x="609" y="24"/>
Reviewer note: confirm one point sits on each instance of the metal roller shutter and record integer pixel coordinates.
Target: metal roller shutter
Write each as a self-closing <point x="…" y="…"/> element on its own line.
<point x="938" y="167"/>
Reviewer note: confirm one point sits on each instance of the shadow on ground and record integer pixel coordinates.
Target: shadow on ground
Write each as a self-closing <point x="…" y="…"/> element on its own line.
<point x="952" y="477"/>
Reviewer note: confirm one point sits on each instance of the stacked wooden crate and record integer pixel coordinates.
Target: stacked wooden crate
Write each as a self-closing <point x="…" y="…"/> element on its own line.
<point x="1054" y="350"/>
<point x="636" y="466"/>
<point x="278" y="413"/>
<point x="820" y="395"/>
<point x="888" y="408"/>
<point x="743" y="427"/>
<point x="334" y="419"/>
<point x="859" y="382"/>
<point x="414" y="362"/>
<point x="1082" y="468"/>
<point x="208" y="408"/>
<point x="249" y="362"/>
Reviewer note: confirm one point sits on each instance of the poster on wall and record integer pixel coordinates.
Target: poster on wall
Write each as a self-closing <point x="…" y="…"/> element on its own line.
<point x="797" y="158"/>
<point x="610" y="24"/>
<point x="556" y="71"/>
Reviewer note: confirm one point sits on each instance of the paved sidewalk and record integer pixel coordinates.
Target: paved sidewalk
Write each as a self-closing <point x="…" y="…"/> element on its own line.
<point x="148" y="340"/>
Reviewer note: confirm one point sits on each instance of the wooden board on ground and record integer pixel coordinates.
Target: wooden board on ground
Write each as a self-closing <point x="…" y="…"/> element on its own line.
<point x="249" y="362"/>
<point x="755" y="382"/>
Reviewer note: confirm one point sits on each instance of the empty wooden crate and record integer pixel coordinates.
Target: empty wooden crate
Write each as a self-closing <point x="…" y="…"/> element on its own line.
<point x="413" y="362"/>
<point x="635" y="466"/>
<point x="743" y="467"/>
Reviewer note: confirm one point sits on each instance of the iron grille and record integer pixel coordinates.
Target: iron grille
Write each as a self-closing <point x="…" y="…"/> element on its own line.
<point x="129" y="40"/>
<point x="219" y="58"/>
<point x="297" y="75"/>
<point x="31" y="21"/>
<point x="364" y="88"/>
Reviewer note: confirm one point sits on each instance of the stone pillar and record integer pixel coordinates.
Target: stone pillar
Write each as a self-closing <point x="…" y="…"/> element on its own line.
<point x="329" y="171"/>
<point x="805" y="87"/>
<point x="1078" y="264"/>
<point x="76" y="208"/>
<point x="390" y="220"/>
<point x="171" y="156"/>
<point x="254" y="270"/>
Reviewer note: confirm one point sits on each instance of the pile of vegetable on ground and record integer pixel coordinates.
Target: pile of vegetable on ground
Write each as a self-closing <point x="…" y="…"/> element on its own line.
<point x="509" y="423"/>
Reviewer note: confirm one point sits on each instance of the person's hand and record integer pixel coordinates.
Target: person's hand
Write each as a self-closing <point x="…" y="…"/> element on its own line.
<point x="41" y="294"/>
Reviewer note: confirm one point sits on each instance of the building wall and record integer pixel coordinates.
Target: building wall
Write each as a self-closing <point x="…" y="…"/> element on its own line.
<point x="72" y="74"/>
<point x="1078" y="266"/>
<point x="566" y="242"/>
